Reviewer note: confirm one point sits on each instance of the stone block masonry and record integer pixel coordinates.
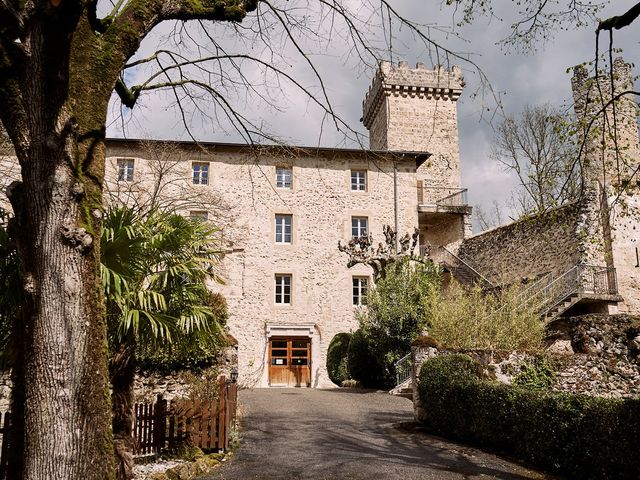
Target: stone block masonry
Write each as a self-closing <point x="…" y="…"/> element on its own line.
<point x="415" y="110"/>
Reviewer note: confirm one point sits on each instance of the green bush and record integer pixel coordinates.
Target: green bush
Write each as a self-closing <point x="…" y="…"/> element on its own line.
<point x="585" y="437"/>
<point x="538" y="373"/>
<point x="337" y="358"/>
<point x="362" y="364"/>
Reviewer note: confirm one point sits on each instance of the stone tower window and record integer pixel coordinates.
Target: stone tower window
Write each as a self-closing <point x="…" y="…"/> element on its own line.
<point x="284" y="176"/>
<point x="359" y="180"/>
<point x="360" y="285"/>
<point x="200" y="173"/>
<point x="359" y="227"/>
<point x="283" y="228"/>
<point x="283" y="289"/>
<point x="125" y="170"/>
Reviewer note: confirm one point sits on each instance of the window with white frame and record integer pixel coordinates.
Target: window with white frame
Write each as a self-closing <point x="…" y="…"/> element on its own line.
<point x="283" y="228"/>
<point x="125" y="170"/>
<point x="200" y="173"/>
<point x="283" y="289"/>
<point x="359" y="180"/>
<point x="359" y="227"/>
<point x="284" y="176"/>
<point x="359" y="291"/>
<point x="201" y="215"/>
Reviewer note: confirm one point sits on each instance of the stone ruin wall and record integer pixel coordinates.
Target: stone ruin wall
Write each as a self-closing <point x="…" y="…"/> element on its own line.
<point x="529" y="247"/>
<point x="415" y="110"/>
<point x="596" y="354"/>
<point x="608" y="166"/>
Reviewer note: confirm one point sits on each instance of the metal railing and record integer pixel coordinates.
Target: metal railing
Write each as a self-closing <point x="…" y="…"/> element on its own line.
<point x="548" y="292"/>
<point x="404" y="366"/>
<point x="442" y="197"/>
<point x="455" y="262"/>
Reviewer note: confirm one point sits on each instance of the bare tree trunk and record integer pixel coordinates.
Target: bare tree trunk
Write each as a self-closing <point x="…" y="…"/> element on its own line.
<point x="123" y="367"/>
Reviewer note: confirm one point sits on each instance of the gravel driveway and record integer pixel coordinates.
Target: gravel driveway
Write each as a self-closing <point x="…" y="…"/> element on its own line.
<point x="349" y="434"/>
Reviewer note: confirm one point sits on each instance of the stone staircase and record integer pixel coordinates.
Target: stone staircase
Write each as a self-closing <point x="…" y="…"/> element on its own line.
<point x="462" y="271"/>
<point x="405" y="389"/>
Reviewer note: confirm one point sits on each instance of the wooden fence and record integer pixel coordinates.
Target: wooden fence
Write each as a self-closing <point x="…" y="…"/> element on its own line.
<point x="166" y="425"/>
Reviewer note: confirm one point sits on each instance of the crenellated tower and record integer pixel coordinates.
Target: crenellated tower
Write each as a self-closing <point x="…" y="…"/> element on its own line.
<point x="415" y="109"/>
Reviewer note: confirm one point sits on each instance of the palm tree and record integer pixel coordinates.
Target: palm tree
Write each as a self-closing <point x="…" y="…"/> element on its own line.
<point x="154" y="271"/>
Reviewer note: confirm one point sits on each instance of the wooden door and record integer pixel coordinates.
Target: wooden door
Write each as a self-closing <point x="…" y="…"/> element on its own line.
<point x="290" y="362"/>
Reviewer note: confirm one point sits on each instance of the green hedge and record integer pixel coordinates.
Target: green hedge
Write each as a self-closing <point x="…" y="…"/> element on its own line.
<point x="337" y="358"/>
<point x="585" y="437"/>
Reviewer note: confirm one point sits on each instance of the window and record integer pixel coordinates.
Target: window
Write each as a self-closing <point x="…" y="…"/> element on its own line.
<point x="125" y="170"/>
<point x="359" y="180"/>
<point x="360" y="285"/>
<point x="283" y="177"/>
<point x="201" y="215"/>
<point x="283" y="228"/>
<point x="359" y="227"/>
<point x="200" y="173"/>
<point x="283" y="289"/>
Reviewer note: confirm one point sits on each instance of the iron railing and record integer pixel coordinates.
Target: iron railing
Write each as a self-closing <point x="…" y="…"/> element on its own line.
<point x="404" y="366"/>
<point x="442" y="197"/>
<point x="548" y="292"/>
<point x="462" y="268"/>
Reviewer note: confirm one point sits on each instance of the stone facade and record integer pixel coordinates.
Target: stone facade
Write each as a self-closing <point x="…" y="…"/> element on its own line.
<point x="596" y="355"/>
<point x="321" y="203"/>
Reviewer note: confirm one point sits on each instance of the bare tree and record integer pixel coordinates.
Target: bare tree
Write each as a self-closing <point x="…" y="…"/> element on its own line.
<point x="491" y="218"/>
<point x="537" y="148"/>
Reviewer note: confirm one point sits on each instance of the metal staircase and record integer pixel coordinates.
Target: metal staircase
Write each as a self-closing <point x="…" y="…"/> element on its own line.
<point x="551" y="297"/>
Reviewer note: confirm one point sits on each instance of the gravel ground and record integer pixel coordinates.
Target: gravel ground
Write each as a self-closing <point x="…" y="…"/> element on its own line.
<point x="140" y="472"/>
<point x="349" y="434"/>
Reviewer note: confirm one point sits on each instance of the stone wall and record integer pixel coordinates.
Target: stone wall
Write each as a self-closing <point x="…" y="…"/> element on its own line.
<point x="626" y="249"/>
<point x="595" y="354"/>
<point x="523" y="250"/>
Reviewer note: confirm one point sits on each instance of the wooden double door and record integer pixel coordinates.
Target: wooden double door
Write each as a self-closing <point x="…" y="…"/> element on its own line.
<point x="290" y="362"/>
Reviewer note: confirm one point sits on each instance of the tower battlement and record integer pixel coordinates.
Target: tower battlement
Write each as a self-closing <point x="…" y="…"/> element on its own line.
<point x="419" y="82"/>
<point x="415" y="109"/>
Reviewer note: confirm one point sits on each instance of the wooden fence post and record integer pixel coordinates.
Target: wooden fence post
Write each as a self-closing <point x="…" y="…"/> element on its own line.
<point x="222" y="402"/>
<point x="160" y="425"/>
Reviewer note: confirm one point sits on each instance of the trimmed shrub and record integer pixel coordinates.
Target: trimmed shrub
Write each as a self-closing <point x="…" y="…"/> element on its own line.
<point x="337" y="358"/>
<point x="585" y="437"/>
<point x="362" y="364"/>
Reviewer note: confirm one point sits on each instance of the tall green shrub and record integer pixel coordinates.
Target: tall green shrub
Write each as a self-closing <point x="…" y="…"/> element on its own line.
<point x="362" y="362"/>
<point x="397" y="311"/>
<point x="337" y="358"/>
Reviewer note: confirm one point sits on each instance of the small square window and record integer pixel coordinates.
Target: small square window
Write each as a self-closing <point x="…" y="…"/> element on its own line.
<point x="200" y="173"/>
<point x="283" y="289"/>
<point x="284" y="176"/>
<point x="283" y="228"/>
<point x="360" y="286"/>
<point x="359" y="180"/>
<point x="201" y="215"/>
<point x="359" y="227"/>
<point x="125" y="170"/>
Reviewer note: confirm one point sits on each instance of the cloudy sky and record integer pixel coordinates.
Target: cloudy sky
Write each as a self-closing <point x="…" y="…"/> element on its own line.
<point x="535" y="77"/>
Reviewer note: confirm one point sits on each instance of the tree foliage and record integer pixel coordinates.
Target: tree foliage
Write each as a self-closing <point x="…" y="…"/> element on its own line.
<point x="397" y="310"/>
